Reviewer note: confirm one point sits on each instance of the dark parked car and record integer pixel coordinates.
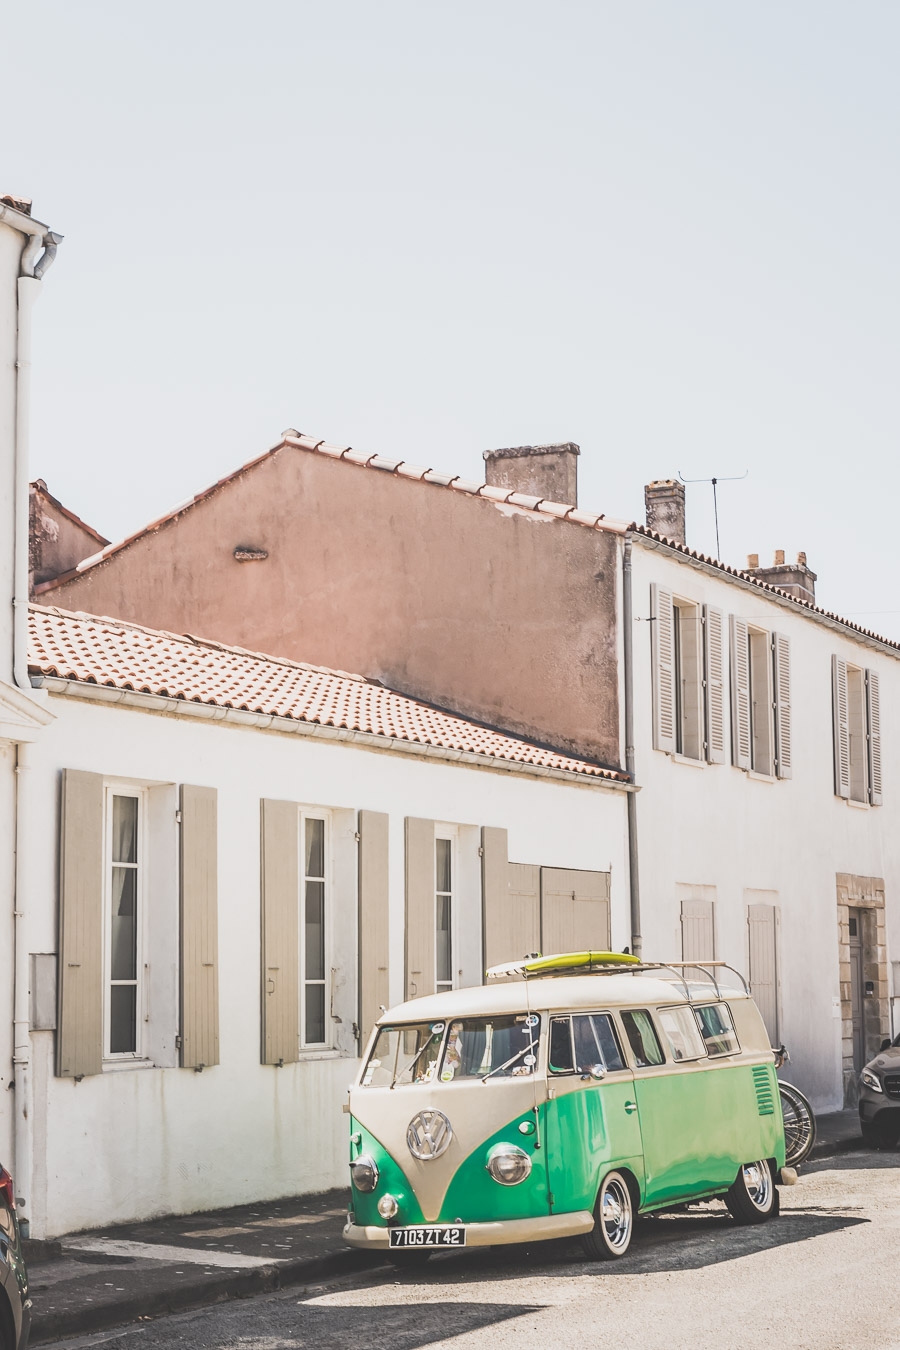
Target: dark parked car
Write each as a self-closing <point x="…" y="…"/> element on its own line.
<point x="15" y="1305"/>
<point x="879" y="1096"/>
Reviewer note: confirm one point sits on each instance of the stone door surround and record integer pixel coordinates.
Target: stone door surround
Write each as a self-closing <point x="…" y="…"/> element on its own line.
<point x="865" y="894"/>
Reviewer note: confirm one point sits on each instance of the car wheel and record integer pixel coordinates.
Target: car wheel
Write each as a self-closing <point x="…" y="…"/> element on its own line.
<point x="753" y="1196"/>
<point x="873" y="1137"/>
<point x="613" y="1227"/>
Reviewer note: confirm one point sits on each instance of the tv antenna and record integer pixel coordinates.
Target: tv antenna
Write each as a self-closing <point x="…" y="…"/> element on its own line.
<point x="738" y="478"/>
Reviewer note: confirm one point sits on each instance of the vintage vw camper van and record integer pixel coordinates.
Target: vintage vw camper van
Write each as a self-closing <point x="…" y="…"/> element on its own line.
<point x="563" y="1102"/>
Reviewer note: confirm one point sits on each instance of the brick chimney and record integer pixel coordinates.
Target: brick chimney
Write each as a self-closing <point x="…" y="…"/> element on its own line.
<point x="664" y="505"/>
<point x="795" y="578"/>
<point x="546" y="471"/>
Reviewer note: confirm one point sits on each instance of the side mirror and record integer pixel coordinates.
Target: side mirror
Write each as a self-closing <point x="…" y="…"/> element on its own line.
<point x="885" y="1045"/>
<point x="595" y="1071"/>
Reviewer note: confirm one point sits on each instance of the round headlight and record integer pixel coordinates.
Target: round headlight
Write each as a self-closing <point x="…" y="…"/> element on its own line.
<point x="509" y="1165"/>
<point x="387" y="1206"/>
<point x="364" y="1173"/>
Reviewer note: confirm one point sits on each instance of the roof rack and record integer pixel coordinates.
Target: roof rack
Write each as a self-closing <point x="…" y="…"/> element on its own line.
<point x="632" y="968"/>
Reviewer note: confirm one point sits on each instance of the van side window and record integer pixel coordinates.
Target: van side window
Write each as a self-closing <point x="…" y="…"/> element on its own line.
<point x="561" y="1060"/>
<point x="717" y="1029"/>
<point x="642" y="1038"/>
<point x="680" y="1030"/>
<point x="595" y="1042"/>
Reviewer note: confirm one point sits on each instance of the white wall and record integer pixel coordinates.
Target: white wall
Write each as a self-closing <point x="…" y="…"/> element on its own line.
<point x="715" y="825"/>
<point x="132" y="1143"/>
<point x="11" y="245"/>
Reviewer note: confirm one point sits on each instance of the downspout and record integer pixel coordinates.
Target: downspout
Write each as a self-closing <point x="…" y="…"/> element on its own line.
<point x="22" y="1175"/>
<point x="27" y="290"/>
<point x="628" y="661"/>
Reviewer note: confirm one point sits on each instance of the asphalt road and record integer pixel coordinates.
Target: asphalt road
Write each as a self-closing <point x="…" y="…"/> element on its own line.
<point x="825" y="1275"/>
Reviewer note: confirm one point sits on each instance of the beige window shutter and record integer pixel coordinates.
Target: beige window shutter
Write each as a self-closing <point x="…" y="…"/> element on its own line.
<point x="781" y="651"/>
<point x="873" y="719"/>
<point x="280" y="936"/>
<point x="79" y="1037"/>
<point x="374" y="914"/>
<point x="574" y="911"/>
<point x="762" y="922"/>
<point x="420" y="907"/>
<point x="698" y="931"/>
<point x="840" y="709"/>
<point x="496" y="910"/>
<point x="740" y="693"/>
<point x="714" y="641"/>
<point x="199" y="928"/>
<point x="662" y="658"/>
<point x="517" y="934"/>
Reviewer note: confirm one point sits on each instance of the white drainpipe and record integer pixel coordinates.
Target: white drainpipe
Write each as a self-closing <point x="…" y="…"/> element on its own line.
<point x="28" y="288"/>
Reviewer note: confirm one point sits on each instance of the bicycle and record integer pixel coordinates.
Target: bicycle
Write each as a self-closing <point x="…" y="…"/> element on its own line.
<point x="799" y="1117"/>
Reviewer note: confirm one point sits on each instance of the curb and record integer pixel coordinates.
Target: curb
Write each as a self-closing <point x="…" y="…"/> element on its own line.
<point x="182" y="1298"/>
<point x="833" y="1148"/>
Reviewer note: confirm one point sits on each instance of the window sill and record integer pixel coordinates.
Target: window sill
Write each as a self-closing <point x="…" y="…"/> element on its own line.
<point x="688" y="759"/>
<point x="761" y="777"/>
<point x="122" y="1065"/>
<point x="858" y="806"/>
<point x="309" y="1053"/>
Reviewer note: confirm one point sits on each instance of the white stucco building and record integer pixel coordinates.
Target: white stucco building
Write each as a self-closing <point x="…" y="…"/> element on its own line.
<point x="765" y="747"/>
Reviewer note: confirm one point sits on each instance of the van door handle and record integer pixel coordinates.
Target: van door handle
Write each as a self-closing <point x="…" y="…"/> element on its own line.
<point x="630" y="1107"/>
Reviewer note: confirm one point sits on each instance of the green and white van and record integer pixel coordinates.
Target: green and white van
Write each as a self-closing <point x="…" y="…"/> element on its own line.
<point x="562" y="1104"/>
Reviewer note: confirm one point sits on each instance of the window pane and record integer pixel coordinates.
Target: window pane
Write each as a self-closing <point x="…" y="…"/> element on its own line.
<point x="560" y="1046"/>
<point x="124" y="829"/>
<point x="123" y="1019"/>
<point x="717" y="1029"/>
<point x="479" y="1046"/>
<point x="123" y="939"/>
<point x="314" y="925"/>
<point x="315" y="1014"/>
<point x="442" y="865"/>
<point x="315" y="848"/>
<point x="642" y="1038"/>
<point x="595" y="1042"/>
<point x="680" y="1030"/>
<point x="407" y="1055"/>
<point x="443" y="953"/>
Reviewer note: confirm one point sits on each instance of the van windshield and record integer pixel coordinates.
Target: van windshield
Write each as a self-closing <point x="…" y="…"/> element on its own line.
<point x="404" y="1054"/>
<point x="491" y="1047"/>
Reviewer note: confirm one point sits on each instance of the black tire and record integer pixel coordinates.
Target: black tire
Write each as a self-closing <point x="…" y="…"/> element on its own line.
<point x="613" y="1227"/>
<point x="753" y="1196"/>
<point x="799" y="1124"/>
<point x="877" y="1136"/>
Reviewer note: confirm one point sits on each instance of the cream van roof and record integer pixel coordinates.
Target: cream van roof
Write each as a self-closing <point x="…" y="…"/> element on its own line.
<point x="551" y="993"/>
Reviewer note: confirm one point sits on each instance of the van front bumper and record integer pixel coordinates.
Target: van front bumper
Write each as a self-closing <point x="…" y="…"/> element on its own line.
<point x="375" y="1238"/>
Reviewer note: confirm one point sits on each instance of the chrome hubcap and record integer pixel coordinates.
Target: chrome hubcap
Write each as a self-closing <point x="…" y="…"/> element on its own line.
<point x="758" y="1183"/>
<point x="615" y="1210"/>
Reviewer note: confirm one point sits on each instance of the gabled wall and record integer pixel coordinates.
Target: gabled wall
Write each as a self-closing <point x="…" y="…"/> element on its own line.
<point x="57" y="539"/>
<point x="502" y="614"/>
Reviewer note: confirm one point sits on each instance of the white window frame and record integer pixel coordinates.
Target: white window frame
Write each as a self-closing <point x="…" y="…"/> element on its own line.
<point x="451" y="833"/>
<point x="688" y="658"/>
<point x="315" y="813"/>
<point x="136" y="790"/>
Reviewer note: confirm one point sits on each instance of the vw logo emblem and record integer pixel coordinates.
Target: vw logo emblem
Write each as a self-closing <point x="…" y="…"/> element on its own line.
<point x="429" y="1135"/>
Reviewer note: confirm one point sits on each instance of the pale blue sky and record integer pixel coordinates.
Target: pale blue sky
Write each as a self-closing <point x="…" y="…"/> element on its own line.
<point x="665" y="229"/>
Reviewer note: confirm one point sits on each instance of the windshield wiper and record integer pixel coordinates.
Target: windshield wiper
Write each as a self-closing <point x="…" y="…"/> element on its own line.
<point x="413" y="1062"/>
<point x="517" y="1055"/>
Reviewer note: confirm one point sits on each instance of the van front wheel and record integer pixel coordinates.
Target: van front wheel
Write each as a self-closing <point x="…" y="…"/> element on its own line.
<point x="610" y="1236"/>
<point x="753" y="1196"/>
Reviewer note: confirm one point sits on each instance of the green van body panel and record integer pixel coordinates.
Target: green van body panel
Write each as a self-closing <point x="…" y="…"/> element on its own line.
<point x="473" y="1195"/>
<point x="391" y="1181"/>
<point x="682" y="1114"/>
<point x="588" y="1131"/>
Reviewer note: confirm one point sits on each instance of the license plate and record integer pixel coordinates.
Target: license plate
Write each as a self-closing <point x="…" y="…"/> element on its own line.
<point x="437" y="1236"/>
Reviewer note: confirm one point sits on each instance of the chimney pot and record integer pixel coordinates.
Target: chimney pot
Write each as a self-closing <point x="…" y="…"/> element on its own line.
<point x="795" y="578"/>
<point x="549" y="472"/>
<point x="664" y="505"/>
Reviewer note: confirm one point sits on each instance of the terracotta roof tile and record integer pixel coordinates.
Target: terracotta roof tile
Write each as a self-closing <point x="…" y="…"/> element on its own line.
<point x="102" y="651"/>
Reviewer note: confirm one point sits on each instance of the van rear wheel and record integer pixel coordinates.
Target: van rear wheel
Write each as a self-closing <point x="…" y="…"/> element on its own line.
<point x="611" y="1234"/>
<point x="753" y="1196"/>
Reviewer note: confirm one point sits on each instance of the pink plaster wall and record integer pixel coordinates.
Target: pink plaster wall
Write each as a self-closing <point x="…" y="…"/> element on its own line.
<point x="502" y="615"/>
